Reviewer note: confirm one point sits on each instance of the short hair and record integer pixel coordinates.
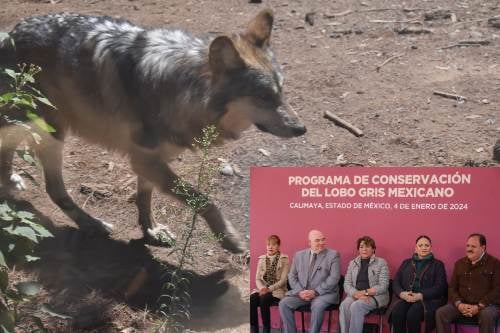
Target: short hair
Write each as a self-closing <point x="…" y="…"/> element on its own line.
<point x="274" y="239"/>
<point x="367" y="240"/>
<point x="482" y="238"/>
<point x="423" y="236"/>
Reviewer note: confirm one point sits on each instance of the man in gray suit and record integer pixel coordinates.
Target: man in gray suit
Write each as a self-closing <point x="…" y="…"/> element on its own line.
<point x="313" y="279"/>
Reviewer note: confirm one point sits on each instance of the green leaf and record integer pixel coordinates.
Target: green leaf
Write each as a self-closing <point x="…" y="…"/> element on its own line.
<point x="10" y="73"/>
<point x="40" y="122"/>
<point x="30" y="288"/>
<point x="45" y="101"/>
<point x="4" y="280"/>
<point x="22" y="214"/>
<point x="7" y="321"/>
<point x="7" y="97"/>
<point x="2" y="260"/>
<point x="22" y="231"/>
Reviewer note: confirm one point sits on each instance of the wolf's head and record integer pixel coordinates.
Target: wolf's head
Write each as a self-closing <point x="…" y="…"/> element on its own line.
<point x="248" y="82"/>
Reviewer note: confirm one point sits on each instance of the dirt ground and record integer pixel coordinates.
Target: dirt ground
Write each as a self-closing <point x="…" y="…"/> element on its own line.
<point x="353" y="58"/>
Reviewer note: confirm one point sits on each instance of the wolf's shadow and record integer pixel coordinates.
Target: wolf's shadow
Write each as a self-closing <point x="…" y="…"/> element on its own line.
<point x="74" y="267"/>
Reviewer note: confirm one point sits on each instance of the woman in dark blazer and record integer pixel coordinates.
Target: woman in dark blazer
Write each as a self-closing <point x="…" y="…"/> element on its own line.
<point x="420" y="287"/>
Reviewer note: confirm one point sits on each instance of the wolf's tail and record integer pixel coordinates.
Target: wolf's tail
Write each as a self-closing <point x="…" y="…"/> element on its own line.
<point x="7" y="51"/>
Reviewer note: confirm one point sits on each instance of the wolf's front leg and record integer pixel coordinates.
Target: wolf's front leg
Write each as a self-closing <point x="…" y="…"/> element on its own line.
<point x="152" y="168"/>
<point x="154" y="233"/>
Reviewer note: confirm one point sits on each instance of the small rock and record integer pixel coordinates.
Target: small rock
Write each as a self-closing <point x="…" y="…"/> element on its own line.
<point x="437" y="14"/>
<point x="495" y="22"/>
<point x="264" y="152"/>
<point x="490" y="121"/>
<point x="237" y="170"/>
<point x="136" y="7"/>
<point x="210" y="253"/>
<point x="98" y="191"/>
<point x="485" y="101"/>
<point x="128" y="330"/>
<point x="323" y="148"/>
<point x="227" y="170"/>
<point x="373" y="162"/>
<point x="310" y="18"/>
<point x="480" y="149"/>
<point x="340" y="160"/>
<point x="111" y="166"/>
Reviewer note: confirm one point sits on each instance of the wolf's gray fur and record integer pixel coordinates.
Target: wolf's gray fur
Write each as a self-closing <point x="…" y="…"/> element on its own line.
<point x="146" y="93"/>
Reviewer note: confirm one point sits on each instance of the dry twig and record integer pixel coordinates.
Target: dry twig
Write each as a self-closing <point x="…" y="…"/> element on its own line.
<point x="344" y="124"/>
<point x="466" y="43"/>
<point x="393" y="21"/>
<point x="388" y="61"/>
<point x="448" y="95"/>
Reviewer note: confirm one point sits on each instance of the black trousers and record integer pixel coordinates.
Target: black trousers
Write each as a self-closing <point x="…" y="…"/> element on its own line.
<point x="406" y="317"/>
<point x="264" y="302"/>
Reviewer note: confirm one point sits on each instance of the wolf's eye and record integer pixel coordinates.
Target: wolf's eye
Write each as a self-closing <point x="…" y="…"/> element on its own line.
<point x="268" y="98"/>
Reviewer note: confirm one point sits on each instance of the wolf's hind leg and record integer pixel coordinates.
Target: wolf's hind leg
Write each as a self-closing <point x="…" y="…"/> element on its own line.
<point x="154" y="233"/>
<point x="157" y="172"/>
<point x="49" y="151"/>
<point x="10" y="141"/>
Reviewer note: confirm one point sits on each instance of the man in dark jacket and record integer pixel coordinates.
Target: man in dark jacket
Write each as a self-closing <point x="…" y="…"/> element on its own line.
<point x="474" y="288"/>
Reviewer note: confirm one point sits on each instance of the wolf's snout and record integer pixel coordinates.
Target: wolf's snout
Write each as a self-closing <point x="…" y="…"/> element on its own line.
<point x="299" y="130"/>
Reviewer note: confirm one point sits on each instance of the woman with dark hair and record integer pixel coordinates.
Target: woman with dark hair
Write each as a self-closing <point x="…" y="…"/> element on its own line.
<point x="420" y="286"/>
<point x="270" y="280"/>
<point x="366" y="285"/>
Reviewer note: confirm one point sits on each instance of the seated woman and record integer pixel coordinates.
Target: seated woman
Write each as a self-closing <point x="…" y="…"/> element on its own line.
<point x="420" y="285"/>
<point x="366" y="286"/>
<point x="270" y="279"/>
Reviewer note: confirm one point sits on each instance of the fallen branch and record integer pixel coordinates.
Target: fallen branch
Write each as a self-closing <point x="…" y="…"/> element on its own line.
<point x="392" y="21"/>
<point x="346" y="12"/>
<point x="466" y="43"/>
<point x="388" y="60"/>
<point x="344" y="124"/>
<point x="478" y="20"/>
<point x="448" y="95"/>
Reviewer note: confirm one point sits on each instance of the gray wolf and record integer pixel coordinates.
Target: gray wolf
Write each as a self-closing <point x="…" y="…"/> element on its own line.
<point x="313" y="281"/>
<point x="145" y="93"/>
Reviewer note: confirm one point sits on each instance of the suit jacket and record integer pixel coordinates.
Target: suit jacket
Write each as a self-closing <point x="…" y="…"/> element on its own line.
<point x="282" y="268"/>
<point x="378" y="277"/>
<point x="324" y="278"/>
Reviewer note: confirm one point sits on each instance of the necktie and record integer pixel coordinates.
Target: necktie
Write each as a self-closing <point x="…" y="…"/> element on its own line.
<point x="311" y="267"/>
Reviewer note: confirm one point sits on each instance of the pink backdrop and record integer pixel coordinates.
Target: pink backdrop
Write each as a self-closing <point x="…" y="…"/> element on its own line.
<point x="394" y="230"/>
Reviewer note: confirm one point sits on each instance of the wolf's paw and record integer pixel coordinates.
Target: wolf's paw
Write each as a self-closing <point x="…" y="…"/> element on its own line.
<point x="233" y="243"/>
<point x="160" y="236"/>
<point x="17" y="182"/>
<point x="97" y="228"/>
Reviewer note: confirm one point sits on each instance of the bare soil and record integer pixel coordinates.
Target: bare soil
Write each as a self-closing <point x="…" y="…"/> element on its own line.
<point x="330" y="65"/>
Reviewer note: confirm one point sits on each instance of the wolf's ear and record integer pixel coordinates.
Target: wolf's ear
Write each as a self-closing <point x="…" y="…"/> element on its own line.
<point x="223" y="56"/>
<point x="259" y="29"/>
